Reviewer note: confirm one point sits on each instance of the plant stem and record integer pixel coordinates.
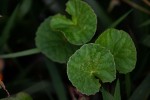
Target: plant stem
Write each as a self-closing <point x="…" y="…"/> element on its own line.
<point x="119" y="20"/>
<point x="128" y="84"/>
<point x="146" y="2"/>
<point x="21" y="53"/>
<point x="136" y="6"/>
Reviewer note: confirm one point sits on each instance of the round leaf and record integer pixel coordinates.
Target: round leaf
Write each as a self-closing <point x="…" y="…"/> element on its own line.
<point x="121" y="46"/>
<point x="88" y="66"/>
<point x="81" y="27"/>
<point x="52" y="43"/>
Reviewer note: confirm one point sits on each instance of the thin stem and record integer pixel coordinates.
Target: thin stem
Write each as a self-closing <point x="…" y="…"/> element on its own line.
<point x="146" y="2"/>
<point x="4" y="88"/>
<point x="128" y="84"/>
<point x="21" y="53"/>
<point x="136" y="6"/>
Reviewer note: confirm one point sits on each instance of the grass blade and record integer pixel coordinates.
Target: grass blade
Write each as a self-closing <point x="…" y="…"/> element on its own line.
<point x="106" y="95"/>
<point x="56" y="81"/>
<point x="117" y="95"/>
<point x="136" y="6"/>
<point x="128" y="84"/>
<point x="146" y="23"/>
<point x="102" y="15"/>
<point x="24" y="8"/>
<point x="18" y="13"/>
<point x="143" y="91"/>
<point x="118" y="21"/>
<point x="9" y="25"/>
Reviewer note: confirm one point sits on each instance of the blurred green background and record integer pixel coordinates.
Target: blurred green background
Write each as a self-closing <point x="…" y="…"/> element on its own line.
<point x="43" y="79"/>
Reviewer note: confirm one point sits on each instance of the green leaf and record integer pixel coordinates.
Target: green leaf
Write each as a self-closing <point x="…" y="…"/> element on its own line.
<point x="106" y="95"/>
<point x="117" y="95"/>
<point x="88" y="66"/>
<point x="81" y="27"/>
<point x="121" y="46"/>
<point x="52" y="43"/>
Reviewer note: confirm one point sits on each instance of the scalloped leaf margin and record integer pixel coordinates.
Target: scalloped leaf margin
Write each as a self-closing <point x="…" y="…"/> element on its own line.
<point x="121" y="46"/>
<point x="53" y="44"/>
<point x="81" y="27"/>
<point x="88" y="66"/>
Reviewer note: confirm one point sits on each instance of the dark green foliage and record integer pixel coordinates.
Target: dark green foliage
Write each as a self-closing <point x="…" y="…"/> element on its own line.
<point x="59" y="37"/>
